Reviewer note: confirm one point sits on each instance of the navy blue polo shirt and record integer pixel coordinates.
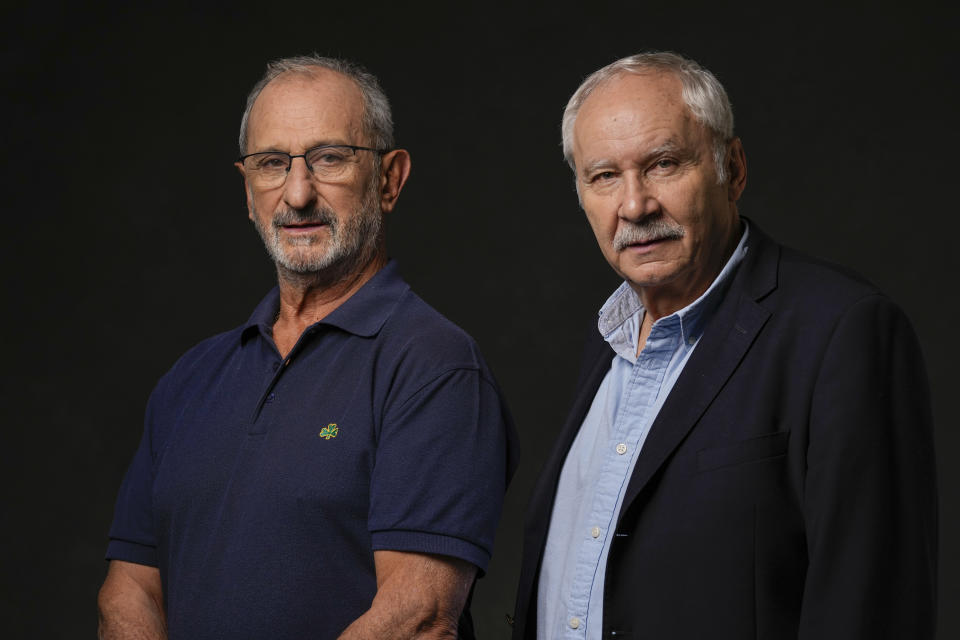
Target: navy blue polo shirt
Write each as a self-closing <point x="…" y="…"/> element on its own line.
<point x="263" y="485"/>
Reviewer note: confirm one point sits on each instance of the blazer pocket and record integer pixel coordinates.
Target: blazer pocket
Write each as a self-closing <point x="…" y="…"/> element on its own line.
<point x="771" y="445"/>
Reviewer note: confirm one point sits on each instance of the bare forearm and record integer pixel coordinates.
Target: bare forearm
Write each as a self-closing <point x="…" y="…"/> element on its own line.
<point x="418" y="597"/>
<point x="131" y="620"/>
<point x="131" y="628"/>
<point x="402" y="623"/>
<point x="131" y="604"/>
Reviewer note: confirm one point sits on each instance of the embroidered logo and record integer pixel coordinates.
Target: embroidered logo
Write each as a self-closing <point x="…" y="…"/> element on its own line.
<point x="329" y="431"/>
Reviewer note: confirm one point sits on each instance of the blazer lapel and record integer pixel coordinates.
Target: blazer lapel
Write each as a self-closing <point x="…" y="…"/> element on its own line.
<point x="738" y="320"/>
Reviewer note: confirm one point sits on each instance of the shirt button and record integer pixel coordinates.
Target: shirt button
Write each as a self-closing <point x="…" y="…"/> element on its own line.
<point x="691" y="340"/>
<point x="621" y="448"/>
<point x="574" y="623"/>
<point x="595" y="532"/>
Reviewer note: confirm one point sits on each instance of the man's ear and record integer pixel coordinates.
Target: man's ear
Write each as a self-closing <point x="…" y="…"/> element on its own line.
<point x="246" y="189"/>
<point x="736" y="170"/>
<point x="394" y="171"/>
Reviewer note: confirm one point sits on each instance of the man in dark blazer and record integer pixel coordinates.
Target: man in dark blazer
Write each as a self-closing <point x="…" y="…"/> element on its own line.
<point x="750" y="451"/>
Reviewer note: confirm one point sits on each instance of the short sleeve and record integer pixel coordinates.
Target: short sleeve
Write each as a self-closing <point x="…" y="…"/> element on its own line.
<point x="442" y="465"/>
<point x="132" y="534"/>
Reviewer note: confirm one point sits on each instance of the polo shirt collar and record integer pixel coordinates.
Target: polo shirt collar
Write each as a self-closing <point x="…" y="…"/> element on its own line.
<point x="362" y="314"/>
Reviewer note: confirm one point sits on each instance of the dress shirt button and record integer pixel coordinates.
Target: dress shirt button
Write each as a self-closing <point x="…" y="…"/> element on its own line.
<point x="595" y="532"/>
<point x="574" y="623"/>
<point x="621" y="448"/>
<point x="691" y="340"/>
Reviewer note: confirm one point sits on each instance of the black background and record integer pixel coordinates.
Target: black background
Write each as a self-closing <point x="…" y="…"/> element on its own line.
<point x="126" y="241"/>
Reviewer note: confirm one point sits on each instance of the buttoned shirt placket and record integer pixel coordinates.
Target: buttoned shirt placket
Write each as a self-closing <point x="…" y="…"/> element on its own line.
<point x="622" y="414"/>
<point x="631" y="425"/>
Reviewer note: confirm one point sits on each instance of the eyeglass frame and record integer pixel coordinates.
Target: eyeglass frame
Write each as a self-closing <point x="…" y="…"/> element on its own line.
<point x="303" y="155"/>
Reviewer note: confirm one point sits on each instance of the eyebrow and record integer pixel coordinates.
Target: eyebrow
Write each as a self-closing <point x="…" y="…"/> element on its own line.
<point x="312" y="145"/>
<point x="670" y="146"/>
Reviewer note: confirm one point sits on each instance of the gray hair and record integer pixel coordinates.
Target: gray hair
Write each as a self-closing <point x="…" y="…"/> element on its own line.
<point x="701" y="91"/>
<point x="377" y="119"/>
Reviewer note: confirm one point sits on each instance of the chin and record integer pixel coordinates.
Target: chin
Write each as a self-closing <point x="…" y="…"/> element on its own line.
<point x="647" y="277"/>
<point x="304" y="261"/>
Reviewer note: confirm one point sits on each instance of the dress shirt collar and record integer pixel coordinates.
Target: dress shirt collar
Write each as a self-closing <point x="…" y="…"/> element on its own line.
<point x="620" y="316"/>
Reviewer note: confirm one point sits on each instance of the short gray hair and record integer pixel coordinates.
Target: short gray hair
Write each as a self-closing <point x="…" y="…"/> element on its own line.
<point x="701" y="91"/>
<point x="377" y="119"/>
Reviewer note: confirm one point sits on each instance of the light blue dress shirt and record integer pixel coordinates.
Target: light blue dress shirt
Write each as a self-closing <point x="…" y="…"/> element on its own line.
<point x="601" y="460"/>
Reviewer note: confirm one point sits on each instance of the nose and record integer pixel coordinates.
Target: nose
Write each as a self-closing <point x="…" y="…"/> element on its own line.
<point x="299" y="189"/>
<point x="638" y="199"/>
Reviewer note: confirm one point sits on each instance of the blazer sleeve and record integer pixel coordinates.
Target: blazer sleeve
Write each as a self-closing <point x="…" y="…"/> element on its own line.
<point x="869" y="499"/>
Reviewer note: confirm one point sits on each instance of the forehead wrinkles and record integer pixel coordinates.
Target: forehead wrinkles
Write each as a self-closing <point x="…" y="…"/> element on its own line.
<point x="307" y="108"/>
<point x="634" y="111"/>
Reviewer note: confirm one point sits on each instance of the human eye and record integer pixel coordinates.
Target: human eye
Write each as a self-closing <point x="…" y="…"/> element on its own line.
<point x="665" y="164"/>
<point x="270" y="161"/>
<point x="328" y="156"/>
<point x="601" y="177"/>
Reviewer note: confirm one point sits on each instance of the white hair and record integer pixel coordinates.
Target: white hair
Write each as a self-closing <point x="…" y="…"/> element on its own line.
<point x="377" y="119"/>
<point x="701" y="91"/>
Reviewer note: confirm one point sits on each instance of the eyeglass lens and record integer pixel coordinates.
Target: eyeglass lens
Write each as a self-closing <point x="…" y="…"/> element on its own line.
<point x="327" y="163"/>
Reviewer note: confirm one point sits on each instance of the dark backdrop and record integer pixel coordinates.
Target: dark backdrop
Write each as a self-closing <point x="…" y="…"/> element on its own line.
<point x="125" y="236"/>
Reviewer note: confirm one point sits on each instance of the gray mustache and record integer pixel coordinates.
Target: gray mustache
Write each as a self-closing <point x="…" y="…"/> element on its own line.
<point x="314" y="216"/>
<point x="647" y="231"/>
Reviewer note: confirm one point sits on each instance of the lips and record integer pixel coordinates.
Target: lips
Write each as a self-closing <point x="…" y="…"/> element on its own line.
<point x="303" y="220"/>
<point x="643" y="247"/>
<point x="304" y="225"/>
<point x="643" y="243"/>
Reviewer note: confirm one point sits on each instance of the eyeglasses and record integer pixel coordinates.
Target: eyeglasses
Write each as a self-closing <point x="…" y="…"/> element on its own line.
<point x="328" y="162"/>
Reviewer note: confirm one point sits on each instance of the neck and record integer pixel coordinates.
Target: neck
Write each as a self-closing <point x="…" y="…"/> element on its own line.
<point x="670" y="297"/>
<point x="307" y="298"/>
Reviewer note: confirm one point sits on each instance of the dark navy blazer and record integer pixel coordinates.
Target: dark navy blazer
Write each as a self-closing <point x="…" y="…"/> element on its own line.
<point x="787" y="488"/>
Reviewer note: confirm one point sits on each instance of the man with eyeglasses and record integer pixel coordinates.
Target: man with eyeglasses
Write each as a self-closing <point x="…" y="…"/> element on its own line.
<point x="335" y="467"/>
